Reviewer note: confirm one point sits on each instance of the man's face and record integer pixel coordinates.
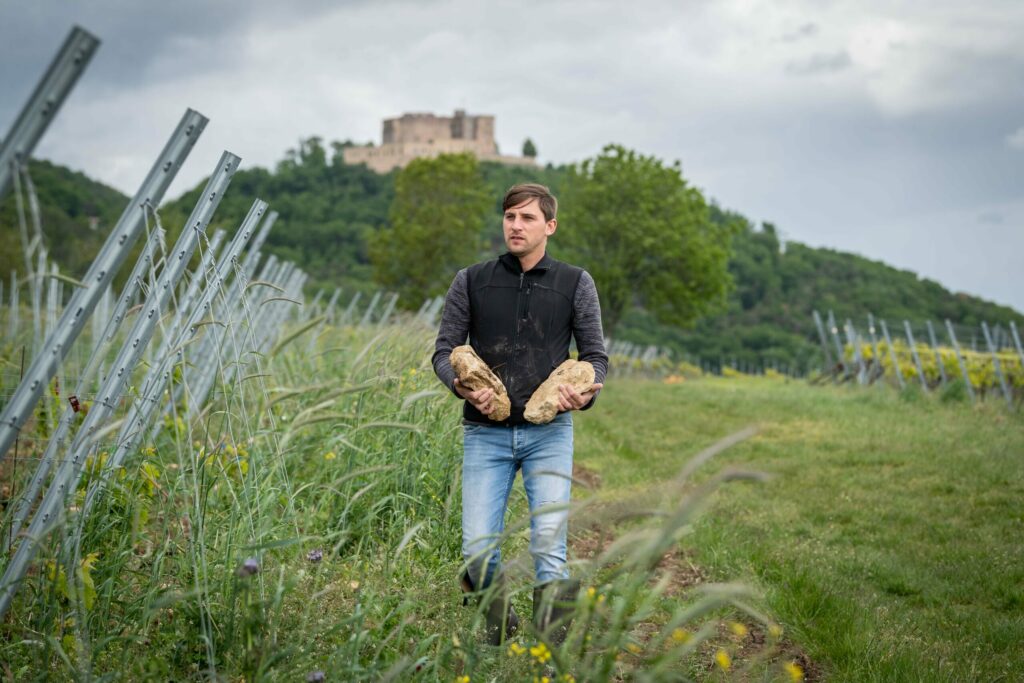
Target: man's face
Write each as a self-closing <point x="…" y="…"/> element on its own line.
<point x="526" y="230"/>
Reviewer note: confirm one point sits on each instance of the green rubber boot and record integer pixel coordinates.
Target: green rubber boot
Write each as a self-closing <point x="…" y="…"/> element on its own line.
<point x="501" y="619"/>
<point x="553" y="606"/>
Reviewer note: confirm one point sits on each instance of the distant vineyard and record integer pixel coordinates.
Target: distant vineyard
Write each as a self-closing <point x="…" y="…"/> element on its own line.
<point x="980" y="366"/>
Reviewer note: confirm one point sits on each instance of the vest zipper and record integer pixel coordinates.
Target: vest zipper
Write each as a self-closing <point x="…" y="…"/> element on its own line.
<point x="509" y="364"/>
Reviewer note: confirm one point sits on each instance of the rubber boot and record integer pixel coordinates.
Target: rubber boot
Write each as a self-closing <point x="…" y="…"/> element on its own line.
<point x="501" y="619"/>
<point x="553" y="605"/>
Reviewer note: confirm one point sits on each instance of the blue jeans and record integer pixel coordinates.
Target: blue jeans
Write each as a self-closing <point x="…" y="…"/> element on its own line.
<point x="491" y="458"/>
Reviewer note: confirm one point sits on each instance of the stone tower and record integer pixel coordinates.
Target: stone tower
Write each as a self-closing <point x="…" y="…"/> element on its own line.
<point x="425" y="135"/>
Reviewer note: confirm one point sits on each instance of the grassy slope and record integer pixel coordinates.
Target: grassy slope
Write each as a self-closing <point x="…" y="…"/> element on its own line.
<point x="890" y="541"/>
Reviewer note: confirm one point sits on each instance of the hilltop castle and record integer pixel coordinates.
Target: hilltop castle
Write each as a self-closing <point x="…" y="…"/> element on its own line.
<point x="424" y="135"/>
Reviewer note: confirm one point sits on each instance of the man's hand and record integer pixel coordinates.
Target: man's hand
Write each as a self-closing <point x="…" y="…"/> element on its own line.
<point x="479" y="399"/>
<point x="570" y="399"/>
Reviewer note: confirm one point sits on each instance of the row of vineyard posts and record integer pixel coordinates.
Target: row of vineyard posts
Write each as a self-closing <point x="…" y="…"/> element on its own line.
<point x="993" y="363"/>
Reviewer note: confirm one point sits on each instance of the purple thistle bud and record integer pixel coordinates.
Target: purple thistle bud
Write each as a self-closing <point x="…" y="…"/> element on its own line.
<point x="249" y="567"/>
<point x="315" y="677"/>
<point x="315" y="555"/>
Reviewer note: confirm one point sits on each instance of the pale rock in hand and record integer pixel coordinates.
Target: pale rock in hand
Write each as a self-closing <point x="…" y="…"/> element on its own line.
<point x="474" y="374"/>
<point x="543" y="405"/>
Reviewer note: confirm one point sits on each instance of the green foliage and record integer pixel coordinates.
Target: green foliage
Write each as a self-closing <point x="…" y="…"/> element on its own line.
<point x="76" y="214"/>
<point x="327" y="208"/>
<point x="954" y="392"/>
<point x="645" y="236"/>
<point x="529" y="149"/>
<point x="330" y="211"/>
<point x="434" y="228"/>
<point x="777" y="286"/>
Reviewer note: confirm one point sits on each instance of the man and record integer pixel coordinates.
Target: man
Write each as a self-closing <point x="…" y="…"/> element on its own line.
<point x="519" y="312"/>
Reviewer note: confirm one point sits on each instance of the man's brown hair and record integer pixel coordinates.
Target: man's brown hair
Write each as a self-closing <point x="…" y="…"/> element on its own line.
<point x="524" y="192"/>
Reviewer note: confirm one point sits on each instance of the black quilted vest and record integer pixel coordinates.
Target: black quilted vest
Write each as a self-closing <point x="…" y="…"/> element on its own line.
<point x="520" y="324"/>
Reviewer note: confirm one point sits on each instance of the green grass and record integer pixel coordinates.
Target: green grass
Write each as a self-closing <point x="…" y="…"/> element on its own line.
<point x="890" y="538"/>
<point x="887" y="541"/>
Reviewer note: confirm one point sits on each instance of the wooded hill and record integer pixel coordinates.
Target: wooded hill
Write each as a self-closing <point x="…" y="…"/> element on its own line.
<point x="328" y="210"/>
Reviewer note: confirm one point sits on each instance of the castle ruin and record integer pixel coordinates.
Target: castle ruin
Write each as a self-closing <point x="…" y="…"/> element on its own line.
<point x="425" y="135"/>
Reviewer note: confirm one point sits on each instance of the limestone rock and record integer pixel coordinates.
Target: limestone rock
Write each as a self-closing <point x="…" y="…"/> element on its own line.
<point x="474" y="374"/>
<point x="543" y="405"/>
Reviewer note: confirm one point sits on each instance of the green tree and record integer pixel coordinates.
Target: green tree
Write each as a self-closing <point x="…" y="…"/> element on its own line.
<point x="529" y="149"/>
<point x="434" y="227"/>
<point x="646" y="237"/>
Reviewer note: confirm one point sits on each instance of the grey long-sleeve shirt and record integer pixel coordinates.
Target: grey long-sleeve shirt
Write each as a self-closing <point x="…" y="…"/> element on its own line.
<point x="586" y="329"/>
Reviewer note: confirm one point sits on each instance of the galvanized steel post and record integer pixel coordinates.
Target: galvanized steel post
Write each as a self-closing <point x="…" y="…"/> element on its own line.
<point x="877" y="369"/>
<point x="824" y="342"/>
<point x="98" y="278"/>
<point x="347" y="316"/>
<point x="995" y="364"/>
<point x="368" y="313"/>
<point x="935" y="350"/>
<point x="70" y="469"/>
<point x="28" y="496"/>
<point x="913" y="352"/>
<point x="960" y="360"/>
<point x="833" y="329"/>
<point x="853" y="340"/>
<point x="387" y="310"/>
<point x="1016" y="343"/>
<point x="892" y="355"/>
<point x="45" y="101"/>
<point x="141" y="412"/>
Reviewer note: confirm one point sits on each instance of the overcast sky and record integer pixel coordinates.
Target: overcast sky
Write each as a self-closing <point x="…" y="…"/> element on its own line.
<point x="891" y="129"/>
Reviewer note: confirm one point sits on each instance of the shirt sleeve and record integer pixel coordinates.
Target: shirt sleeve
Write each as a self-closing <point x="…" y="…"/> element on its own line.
<point x="586" y="329"/>
<point x="454" y="329"/>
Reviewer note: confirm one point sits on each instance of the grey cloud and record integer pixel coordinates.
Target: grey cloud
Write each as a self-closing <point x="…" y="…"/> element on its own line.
<point x="820" y="64"/>
<point x="991" y="218"/>
<point x="1016" y="139"/>
<point x="665" y="78"/>
<point x="804" y="31"/>
<point x="136" y="39"/>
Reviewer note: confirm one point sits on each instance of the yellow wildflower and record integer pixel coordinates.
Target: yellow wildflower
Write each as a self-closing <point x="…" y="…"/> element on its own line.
<point x="738" y="628"/>
<point x="330" y="455"/>
<point x="591" y="592"/>
<point x="540" y="652"/>
<point x="515" y="649"/>
<point x="634" y="648"/>
<point x="775" y="631"/>
<point x="794" y="671"/>
<point x="462" y="679"/>
<point x="681" y="635"/>
<point x="723" y="660"/>
<point x="568" y="678"/>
